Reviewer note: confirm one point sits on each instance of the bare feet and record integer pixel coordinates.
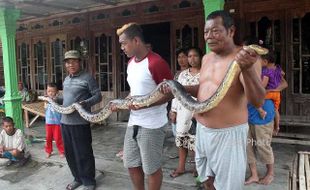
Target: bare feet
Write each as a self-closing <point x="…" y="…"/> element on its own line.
<point x="266" y="180"/>
<point x="251" y="179"/>
<point x="48" y="155"/>
<point x="120" y="154"/>
<point x="209" y="184"/>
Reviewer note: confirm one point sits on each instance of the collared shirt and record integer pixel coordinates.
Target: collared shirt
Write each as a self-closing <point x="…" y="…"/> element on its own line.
<point x="15" y="141"/>
<point x="76" y="88"/>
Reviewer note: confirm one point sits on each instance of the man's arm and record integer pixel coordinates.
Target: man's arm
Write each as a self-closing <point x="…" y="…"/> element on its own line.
<point x="94" y="91"/>
<point x="192" y="90"/>
<point x="250" y="77"/>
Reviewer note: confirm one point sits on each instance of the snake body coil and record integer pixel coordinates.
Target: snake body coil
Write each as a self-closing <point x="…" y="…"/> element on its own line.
<point x="145" y="100"/>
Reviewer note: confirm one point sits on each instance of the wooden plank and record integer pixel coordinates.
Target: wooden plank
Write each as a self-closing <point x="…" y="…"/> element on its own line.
<point x="33" y="120"/>
<point x="295" y="120"/>
<point x="26" y="118"/>
<point x="36" y="108"/>
<point x="307" y="169"/>
<point x="301" y="172"/>
<point x="290" y="141"/>
<point x="294" y="173"/>
<point x="295" y="124"/>
<point x="294" y="135"/>
<point x="289" y="180"/>
<point x="303" y="152"/>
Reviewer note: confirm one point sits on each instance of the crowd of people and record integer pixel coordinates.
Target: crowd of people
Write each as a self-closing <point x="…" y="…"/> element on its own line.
<point x="224" y="140"/>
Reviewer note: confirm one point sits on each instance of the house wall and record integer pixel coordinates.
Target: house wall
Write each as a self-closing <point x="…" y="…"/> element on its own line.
<point x="284" y="26"/>
<point x="184" y="19"/>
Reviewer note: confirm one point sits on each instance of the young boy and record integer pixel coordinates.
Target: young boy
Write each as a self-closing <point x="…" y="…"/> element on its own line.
<point x="272" y="76"/>
<point x="12" y="142"/>
<point x="52" y="124"/>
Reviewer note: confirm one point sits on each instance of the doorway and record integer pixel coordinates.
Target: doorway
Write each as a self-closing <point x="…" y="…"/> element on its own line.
<point x="158" y="35"/>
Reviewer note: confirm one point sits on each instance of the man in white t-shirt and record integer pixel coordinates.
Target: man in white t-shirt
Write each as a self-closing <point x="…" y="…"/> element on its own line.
<point x="144" y="139"/>
<point x="12" y="142"/>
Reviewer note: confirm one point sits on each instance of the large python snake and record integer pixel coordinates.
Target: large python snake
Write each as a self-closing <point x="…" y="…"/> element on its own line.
<point x="177" y="90"/>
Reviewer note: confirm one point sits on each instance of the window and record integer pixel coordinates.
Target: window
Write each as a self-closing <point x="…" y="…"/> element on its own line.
<point x="57" y="56"/>
<point x="269" y="32"/>
<point x="103" y="61"/>
<point x="124" y="63"/>
<point x="301" y="55"/>
<point x="186" y="37"/>
<point x="24" y="63"/>
<point x="40" y="65"/>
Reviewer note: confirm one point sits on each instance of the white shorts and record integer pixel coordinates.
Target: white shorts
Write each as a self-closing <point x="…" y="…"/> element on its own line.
<point x="221" y="153"/>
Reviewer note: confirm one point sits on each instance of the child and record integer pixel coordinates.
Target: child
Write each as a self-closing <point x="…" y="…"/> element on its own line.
<point x="52" y="124"/>
<point x="272" y="76"/>
<point x="12" y="143"/>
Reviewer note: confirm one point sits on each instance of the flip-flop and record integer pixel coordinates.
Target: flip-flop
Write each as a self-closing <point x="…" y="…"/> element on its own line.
<point x="173" y="156"/>
<point x="191" y="161"/>
<point x="175" y="173"/>
<point x="73" y="185"/>
<point x="89" y="187"/>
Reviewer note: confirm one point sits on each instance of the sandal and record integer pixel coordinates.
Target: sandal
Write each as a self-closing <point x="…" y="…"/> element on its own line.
<point x="173" y="156"/>
<point x="73" y="185"/>
<point x="191" y="161"/>
<point x="89" y="187"/>
<point x="120" y="154"/>
<point x="175" y="173"/>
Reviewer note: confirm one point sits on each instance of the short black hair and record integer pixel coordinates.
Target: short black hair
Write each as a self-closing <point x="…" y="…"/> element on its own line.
<point x="181" y="50"/>
<point x="270" y="57"/>
<point x="7" y="119"/>
<point x="197" y="49"/>
<point x="134" y="30"/>
<point x="52" y="85"/>
<point x="227" y="19"/>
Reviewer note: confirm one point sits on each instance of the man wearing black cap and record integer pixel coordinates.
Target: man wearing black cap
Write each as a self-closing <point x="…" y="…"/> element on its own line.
<point x="81" y="87"/>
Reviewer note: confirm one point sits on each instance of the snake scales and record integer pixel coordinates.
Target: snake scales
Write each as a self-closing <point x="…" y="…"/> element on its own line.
<point x="144" y="101"/>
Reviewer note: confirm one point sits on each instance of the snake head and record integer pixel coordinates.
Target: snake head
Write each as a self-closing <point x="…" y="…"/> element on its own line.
<point x="258" y="49"/>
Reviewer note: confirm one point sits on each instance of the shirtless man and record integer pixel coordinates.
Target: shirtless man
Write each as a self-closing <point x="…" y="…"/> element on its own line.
<point x="221" y="133"/>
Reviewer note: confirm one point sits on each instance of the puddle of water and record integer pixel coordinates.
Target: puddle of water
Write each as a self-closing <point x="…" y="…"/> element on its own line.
<point x="15" y="173"/>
